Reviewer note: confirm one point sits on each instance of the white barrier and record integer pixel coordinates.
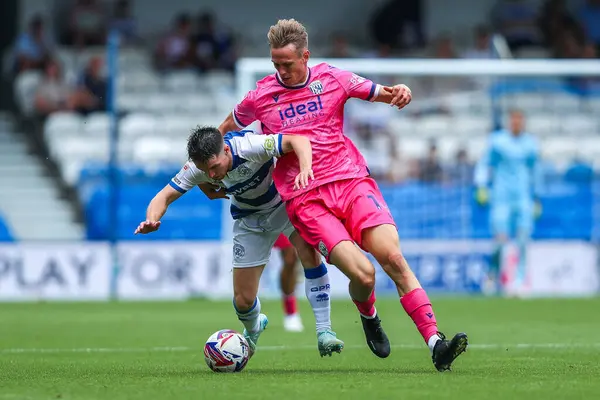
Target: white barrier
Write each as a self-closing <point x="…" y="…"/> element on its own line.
<point x="563" y="269"/>
<point x="54" y="271"/>
<point x="173" y="270"/>
<point x="179" y="270"/>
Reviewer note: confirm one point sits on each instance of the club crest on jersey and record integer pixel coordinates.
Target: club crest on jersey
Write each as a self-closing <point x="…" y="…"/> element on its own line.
<point x="323" y="249"/>
<point x="316" y="87"/>
<point x="244" y="171"/>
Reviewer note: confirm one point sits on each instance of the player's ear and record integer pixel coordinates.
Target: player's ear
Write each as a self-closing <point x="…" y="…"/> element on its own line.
<point x="306" y="55"/>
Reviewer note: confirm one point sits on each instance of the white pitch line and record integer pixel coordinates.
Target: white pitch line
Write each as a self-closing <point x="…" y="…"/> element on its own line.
<point x="179" y="349"/>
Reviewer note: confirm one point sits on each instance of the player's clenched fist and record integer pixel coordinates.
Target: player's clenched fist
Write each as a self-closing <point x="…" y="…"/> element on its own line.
<point x="302" y="179"/>
<point x="401" y="95"/>
<point x="147" y="227"/>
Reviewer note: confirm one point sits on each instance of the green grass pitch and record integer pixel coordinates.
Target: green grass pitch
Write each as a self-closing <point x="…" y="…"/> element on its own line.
<point x="151" y="350"/>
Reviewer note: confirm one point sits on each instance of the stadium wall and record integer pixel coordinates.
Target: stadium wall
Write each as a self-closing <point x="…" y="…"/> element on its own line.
<point x="79" y="271"/>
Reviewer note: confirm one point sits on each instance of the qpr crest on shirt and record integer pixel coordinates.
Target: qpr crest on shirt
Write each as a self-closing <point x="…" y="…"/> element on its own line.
<point x="316" y="87"/>
<point x="244" y="171"/>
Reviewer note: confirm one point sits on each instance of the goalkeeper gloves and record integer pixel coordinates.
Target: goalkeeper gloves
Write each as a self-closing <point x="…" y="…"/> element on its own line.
<point x="482" y="196"/>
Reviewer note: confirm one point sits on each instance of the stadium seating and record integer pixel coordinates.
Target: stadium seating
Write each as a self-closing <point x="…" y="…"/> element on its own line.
<point x="5" y="234"/>
<point x="156" y="112"/>
<point x="439" y="211"/>
<point x="191" y="217"/>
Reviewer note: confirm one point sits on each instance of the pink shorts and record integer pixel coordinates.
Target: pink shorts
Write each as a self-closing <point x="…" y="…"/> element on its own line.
<point x="282" y="242"/>
<point x="338" y="211"/>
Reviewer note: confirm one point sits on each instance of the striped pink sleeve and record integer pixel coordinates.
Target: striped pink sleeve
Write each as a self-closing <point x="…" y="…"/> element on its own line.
<point x="244" y="113"/>
<point x="356" y="86"/>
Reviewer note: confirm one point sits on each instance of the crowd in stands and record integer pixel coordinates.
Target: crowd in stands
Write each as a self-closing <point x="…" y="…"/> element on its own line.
<point x="562" y="31"/>
<point x="202" y="43"/>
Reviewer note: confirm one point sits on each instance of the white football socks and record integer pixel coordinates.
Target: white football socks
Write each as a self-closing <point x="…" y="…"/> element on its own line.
<point x="318" y="290"/>
<point x="250" y="317"/>
<point x="432" y="342"/>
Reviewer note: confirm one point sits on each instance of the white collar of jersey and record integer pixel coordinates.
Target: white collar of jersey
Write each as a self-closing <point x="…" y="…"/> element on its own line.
<point x="299" y="84"/>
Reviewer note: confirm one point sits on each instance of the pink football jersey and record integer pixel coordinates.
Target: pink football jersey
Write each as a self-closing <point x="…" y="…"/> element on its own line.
<point x="314" y="109"/>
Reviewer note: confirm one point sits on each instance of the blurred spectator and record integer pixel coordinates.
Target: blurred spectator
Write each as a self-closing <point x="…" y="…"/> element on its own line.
<point x="482" y="48"/>
<point x="399" y="24"/>
<point x="54" y="94"/>
<point x="174" y="50"/>
<point x="589" y="51"/>
<point x="568" y="46"/>
<point x="430" y="169"/>
<point x="589" y="16"/>
<point x="213" y="47"/>
<point x="444" y="47"/>
<point x="400" y="168"/>
<point x="554" y="21"/>
<point x="33" y="47"/>
<point x="87" y="24"/>
<point x="93" y="85"/>
<point x="587" y="84"/>
<point x="517" y="21"/>
<point x="382" y="51"/>
<point x="124" y="23"/>
<point x="339" y="47"/>
<point x="461" y="170"/>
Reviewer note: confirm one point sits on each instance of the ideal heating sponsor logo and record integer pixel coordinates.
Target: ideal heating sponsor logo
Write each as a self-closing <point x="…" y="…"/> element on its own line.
<point x="300" y="113"/>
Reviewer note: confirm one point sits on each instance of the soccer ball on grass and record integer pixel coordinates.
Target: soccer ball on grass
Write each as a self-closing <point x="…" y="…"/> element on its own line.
<point x="226" y="351"/>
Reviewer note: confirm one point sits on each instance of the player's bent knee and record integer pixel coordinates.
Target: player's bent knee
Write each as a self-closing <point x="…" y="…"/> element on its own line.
<point x="365" y="279"/>
<point x="243" y="301"/>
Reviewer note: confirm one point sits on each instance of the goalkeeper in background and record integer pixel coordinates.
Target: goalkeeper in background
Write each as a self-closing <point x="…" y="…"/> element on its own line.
<point x="510" y="168"/>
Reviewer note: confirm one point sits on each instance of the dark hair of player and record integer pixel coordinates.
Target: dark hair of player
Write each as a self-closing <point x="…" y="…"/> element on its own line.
<point x="204" y="143"/>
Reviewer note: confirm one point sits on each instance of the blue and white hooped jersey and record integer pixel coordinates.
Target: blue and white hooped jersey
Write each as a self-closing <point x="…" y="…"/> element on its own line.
<point x="250" y="181"/>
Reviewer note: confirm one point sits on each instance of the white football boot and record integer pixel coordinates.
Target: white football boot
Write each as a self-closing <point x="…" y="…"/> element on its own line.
<point x="293" y="323"/>
<point x="329" y="343"/>
<point x="252" y="337"/>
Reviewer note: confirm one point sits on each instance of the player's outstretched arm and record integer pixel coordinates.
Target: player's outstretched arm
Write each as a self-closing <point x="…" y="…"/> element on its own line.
<point x="157" y="208"/>
<point x="303" y="149"/>
<point x="397" y="96"/>
<point x="228" y="125"/>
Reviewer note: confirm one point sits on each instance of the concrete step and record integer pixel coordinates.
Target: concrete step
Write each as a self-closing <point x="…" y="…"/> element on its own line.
<point x="33" y="167"/>
<point x="29" y="198"/>
<point x="15" y="159"/>
<point x="24" y="181"/>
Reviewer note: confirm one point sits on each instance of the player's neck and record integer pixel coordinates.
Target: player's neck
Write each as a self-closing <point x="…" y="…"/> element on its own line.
<point x="299" y="84"/>
<point x="230" y="158"/>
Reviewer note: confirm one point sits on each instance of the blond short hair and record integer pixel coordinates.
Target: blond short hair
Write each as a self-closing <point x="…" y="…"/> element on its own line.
<point x="288" y="31"/>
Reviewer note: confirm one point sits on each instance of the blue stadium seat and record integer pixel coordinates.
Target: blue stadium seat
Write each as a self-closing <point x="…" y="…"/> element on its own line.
<point x="436" y="211"/>
<point x="191" y="217"/>
<point x="5" y="235"/>
<point x="421" y="210"/>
